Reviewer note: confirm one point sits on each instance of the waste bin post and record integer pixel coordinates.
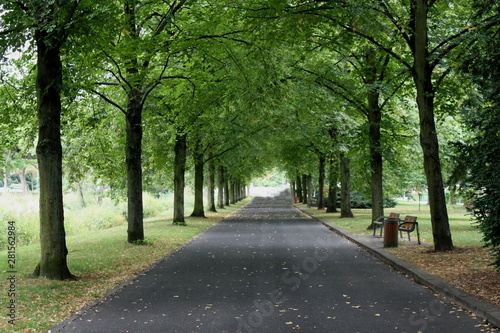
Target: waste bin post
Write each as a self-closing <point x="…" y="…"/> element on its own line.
<point x="391" y="232"/>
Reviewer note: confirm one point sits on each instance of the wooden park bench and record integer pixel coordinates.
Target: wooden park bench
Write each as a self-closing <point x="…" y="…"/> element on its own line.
<point x="312" y="202"/>
<point x="409" y="224"/>
<point x="382" y="219"/>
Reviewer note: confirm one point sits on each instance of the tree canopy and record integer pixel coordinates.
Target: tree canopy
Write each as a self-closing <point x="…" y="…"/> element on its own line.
<point x="140" y="95"/>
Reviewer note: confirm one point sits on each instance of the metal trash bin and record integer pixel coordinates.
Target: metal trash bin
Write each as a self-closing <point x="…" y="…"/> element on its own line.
<point x="391" y="232"/>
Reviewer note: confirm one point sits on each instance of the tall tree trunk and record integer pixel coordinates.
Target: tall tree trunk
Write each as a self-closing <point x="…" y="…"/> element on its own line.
<point x="333" y="176"/>
<point x="179" y="171"/>
<point x="220" y="194"/>
<point x="24" y="185"/>
<point x="453" y="192"/>
<point x="211" y="184"/>
<point x="5" y="182"/>
<point x="345" y="187"/>
<point x="422" y="75"/>
<point x="226" y="189"/>
<point x="133" y="120"/>
<point x="80" y="193"/>
<point x="199" y="209"/>
<point x="310" y="189"/>
<point x="53" y="261"/>
<point x="321" y="182"/>
<point x="298" y="184"/>
<point x="135" y="210"/>
<point x="305" y="192"/>
<point x="232" y="199"/>
<point x="374" y="121"/>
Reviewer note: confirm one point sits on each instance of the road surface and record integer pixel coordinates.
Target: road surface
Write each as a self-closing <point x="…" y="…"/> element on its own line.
<point x="269" y="268"/>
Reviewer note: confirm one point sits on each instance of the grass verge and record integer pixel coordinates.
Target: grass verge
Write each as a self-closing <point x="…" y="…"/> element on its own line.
<point x="101" y="259"/>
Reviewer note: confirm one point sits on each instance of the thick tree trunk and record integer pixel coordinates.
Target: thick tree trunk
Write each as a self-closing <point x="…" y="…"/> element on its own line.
<point x="305" y="192"/>
<point x="211" y="185"/>
<point x="198" y="210"/>
<point x="133" y="150"/>
<point x="422" y="75"/>
<point x="53" y="261"/>
<point x="226" y="189"/>
<point x="298" y="184"/>
<point x="345" y="188"/>
<point x="321" y="182"/>
<point x="374" y="120"/>
<point x="331" y="206"/>
<point x="179" y="171"/>
<point x="232" y="199"/>
<point x="310" y="188"/>
<point x="220" y="194"/>
<point x="135" y="210"/>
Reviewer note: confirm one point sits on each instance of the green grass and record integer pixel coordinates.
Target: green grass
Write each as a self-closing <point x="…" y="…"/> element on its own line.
<point x="463" y="231"/>
<point x="101" y="259"/>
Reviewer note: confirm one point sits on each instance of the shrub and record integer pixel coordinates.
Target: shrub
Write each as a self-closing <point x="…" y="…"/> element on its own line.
<point x="154" y="206"/>
<point x="358" y="200"/>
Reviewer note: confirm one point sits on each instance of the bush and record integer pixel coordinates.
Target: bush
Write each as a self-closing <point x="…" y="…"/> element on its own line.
<point x="154" y="206"/>
<point x="390" y="203"/>
<point x="480" y="154"/>
<point x="358" y="200"/>
<point x="93" y="217"/>
<point x="24" y="212"/>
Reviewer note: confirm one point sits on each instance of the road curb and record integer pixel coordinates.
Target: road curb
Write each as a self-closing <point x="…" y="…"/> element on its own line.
<point x="483" y="309"/>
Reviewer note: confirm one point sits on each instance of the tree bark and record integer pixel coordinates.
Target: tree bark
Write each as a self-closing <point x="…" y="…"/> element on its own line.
<point x="135" y="210"/>
<point x="321" y="182"/>
<point x="374" y="120"/>
<point x="198" y="210"/>
<point x="80" y="193"/>
<point x="53" y="261"/>
<point x="179" y="171"/>
<point x="220" y="194"/>
<point x="232" y="199"/>
<point x="331" y="206"/>
<point x="305" y="191"/>
<point x="422" y="75"/>
<point x="24" y="185"/>
<point x="345" y="188"/>
<point x="298" y="184"/>
<point x="226" y="189"/>
<point x="211" y="185"/>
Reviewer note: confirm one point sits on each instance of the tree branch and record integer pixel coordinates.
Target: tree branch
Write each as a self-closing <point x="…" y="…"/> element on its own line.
<point x="110" y="101"/>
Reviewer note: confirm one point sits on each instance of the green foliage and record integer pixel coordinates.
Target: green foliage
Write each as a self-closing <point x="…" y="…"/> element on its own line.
<point x="359" y="201"/>
<point x="155" y="207"/>
<point x="275" y="178"/>
<point x="146" y="242"/>
<point x="480" y="154"/>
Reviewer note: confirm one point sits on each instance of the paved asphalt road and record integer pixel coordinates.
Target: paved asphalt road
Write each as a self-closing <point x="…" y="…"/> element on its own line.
<point x="269" y="268"/>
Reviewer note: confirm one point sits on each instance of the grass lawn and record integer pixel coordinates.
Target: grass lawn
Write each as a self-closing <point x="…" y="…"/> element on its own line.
<point x="100" y="259"/>
<point x="463" y="231"/>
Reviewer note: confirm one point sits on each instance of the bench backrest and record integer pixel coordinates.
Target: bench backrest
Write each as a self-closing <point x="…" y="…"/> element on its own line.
<point x="408" y="223"/>
<point x="394" y="216"/>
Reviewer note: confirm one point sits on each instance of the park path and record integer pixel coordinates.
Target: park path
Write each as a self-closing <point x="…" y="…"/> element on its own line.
<point x="270" y="268"/>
